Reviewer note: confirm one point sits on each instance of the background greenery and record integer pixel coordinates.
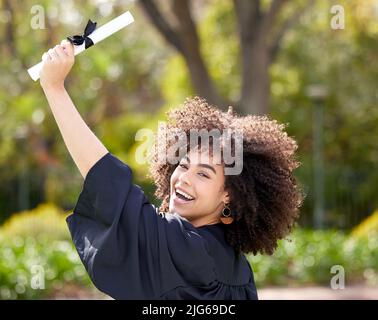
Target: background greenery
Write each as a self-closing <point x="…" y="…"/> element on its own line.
<point x="130" y="80"/>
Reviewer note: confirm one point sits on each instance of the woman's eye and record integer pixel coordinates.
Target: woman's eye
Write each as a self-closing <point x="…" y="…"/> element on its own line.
<point x="203" y="175"/>
<point x="183" y="166"/>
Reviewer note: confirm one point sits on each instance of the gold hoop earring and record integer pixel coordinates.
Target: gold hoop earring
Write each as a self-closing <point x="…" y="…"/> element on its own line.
<point x="226" y="216"/>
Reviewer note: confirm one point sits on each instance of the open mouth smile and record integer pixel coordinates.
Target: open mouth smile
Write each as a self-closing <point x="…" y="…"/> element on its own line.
<point x="182" y="197"/>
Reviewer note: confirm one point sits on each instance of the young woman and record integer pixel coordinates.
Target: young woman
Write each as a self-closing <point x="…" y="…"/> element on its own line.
<point x="193" y="246"/>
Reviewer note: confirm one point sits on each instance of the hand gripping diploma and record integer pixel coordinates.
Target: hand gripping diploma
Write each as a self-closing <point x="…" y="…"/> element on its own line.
<point x="90" y="37"/>
<point x="84" y="147"/>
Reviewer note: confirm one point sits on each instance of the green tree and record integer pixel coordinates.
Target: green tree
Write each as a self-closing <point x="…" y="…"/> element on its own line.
<point x="115" y="80"/>
<point x="345" y="62"/>
<point x="262" y="26"/>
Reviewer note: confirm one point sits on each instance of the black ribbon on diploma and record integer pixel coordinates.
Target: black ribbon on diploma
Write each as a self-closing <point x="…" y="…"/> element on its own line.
<point x="80" y="39"/>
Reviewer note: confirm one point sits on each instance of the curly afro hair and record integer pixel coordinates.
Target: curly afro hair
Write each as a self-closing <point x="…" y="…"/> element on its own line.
<point x="264" y="197"/>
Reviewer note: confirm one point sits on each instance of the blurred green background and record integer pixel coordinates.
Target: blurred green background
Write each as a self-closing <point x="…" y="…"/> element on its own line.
<point x="282" y="58"/>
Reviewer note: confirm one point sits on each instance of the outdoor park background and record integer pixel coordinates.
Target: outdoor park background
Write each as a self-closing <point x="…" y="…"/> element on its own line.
<point x="283" y="58"/>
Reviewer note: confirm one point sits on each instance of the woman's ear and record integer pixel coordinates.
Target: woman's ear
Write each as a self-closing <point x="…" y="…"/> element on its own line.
<point x="226" y="197"/>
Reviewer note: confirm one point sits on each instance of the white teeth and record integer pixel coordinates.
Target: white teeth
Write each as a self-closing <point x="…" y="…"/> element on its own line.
<point x="184" y="194"/>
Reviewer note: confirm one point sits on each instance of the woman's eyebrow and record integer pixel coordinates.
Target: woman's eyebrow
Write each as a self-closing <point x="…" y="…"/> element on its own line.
<point x="207" y="166"/>
<point x="202" y="165"/>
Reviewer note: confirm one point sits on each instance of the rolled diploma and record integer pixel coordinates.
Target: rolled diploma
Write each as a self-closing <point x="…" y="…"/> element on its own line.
<point x="96" y="36"/>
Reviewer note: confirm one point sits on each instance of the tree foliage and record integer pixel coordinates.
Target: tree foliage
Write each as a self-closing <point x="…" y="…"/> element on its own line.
<point x="132" y="78"/>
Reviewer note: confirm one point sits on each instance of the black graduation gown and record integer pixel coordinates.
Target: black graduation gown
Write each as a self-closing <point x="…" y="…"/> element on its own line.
<point x="131" y="251"/>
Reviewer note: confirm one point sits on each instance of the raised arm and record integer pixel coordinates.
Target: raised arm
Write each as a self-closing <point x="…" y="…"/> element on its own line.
<point x="83" y="145"/>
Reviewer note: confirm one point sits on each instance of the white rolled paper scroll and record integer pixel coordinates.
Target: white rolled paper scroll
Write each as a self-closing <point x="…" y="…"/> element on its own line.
<point x="96" y="36"/>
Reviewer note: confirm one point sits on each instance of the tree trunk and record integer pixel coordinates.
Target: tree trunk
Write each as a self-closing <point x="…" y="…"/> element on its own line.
<point x="184" y="38"/>
<point x="255" y="79"/>
<point x="261" y="32"/>
<point x="200" y="79"/>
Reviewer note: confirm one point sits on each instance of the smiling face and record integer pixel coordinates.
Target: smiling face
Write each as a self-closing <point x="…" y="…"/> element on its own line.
<point x="197" y="188"/>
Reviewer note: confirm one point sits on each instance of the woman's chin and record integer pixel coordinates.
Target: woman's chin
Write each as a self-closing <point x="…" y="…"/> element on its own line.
<point x="182" y="213"/>
<point x="174" y="209"/>
<point x="181" y="207"/>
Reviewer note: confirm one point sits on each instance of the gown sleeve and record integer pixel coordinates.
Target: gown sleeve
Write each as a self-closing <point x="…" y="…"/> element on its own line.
<point x="129" y="250"/>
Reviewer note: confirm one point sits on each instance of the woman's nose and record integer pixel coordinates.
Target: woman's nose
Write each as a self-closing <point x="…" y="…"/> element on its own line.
<point x="185" y="177"/>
